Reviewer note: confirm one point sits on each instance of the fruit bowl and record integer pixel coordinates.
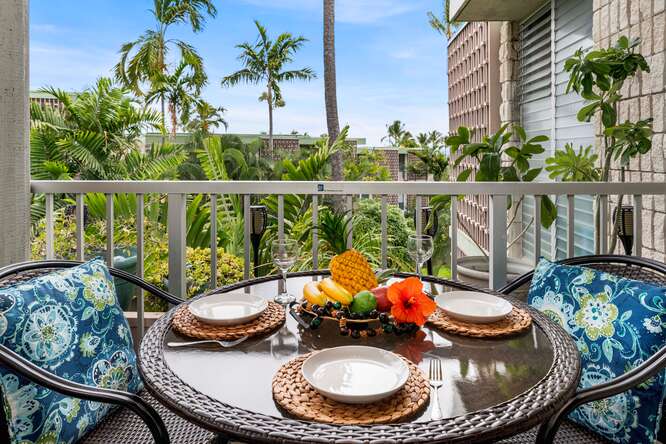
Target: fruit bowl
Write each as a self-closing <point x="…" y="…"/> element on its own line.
<point x="354" y="298"/>
<point x="367" y="325"/>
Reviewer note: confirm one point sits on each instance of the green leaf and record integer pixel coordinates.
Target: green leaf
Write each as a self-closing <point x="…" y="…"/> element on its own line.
<point x="489" y="168"/>
<point x="548" y="212"/>
<point x="464" y="175"/>
<point x="521" y="132"/>
<point x="509" y="174"/>
<point x="585" y="113"/>
<point x="531" y="174"/>
<point x="608" y="115"/>
<point x="538" y="139"/>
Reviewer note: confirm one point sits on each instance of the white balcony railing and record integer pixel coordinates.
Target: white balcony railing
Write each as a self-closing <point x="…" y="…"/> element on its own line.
<point x="177" y="192"/>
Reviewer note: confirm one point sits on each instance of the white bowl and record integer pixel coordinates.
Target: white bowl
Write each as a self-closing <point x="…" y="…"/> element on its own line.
<point x="473" y="306"/>
<point x="355" y="374"/>
<point x="228" y="308"/>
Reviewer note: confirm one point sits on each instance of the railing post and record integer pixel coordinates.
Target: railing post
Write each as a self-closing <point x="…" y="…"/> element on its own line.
<point x="638" y="225"/>
<point x="80" y="228"/>
<point x="537" y="229"/>
<point x="384" y="223"/>
<point x="570" y="226"/>
<point x="350" y="227"/>
<point x="213" y="241"/>
<point x="315" y="232"/>
<point x="454" y="237"/>
<point x="139" y="262"/>
<point x="603" y="225"/>
<point x="177" y="244"/>
<point x="498" y="251"/>
<point x="247" y="222"/>
<point x="110" y="245"/>
<point x="418" y="222"/>
<point x="50" y="235"/>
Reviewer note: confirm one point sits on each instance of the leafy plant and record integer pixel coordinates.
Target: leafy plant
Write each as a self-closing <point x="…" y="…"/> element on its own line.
<point x="397" y="135"/>
<point x="570" y="165"/>
<point x="367" y="166"/>
<point x="229" y="270"/>
<point x="598" y="77"/>
<point x="489" y="153"/>
<point x="432" y="160"/>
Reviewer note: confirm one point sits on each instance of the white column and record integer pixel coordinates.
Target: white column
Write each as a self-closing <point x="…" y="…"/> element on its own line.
<point x="14" y="133"/>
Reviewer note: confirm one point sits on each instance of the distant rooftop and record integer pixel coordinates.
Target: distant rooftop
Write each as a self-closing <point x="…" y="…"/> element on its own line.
<point x="303" y="139"/>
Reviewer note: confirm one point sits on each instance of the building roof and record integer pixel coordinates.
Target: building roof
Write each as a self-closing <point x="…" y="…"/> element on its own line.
<point x="303" y="139"/>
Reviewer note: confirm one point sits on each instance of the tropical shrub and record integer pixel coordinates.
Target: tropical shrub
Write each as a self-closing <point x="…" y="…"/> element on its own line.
<point x="230" y="268"/>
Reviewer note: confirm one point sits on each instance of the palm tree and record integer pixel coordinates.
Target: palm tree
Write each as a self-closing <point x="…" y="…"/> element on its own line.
<point x="264" y="62"/>
<point x="145" y="59"/>
<point x="397" y="135"/>
<point x="180" y="90"/>
<point x="206" y="117"/>
<point x="443" y="25"/>
<point x="92" y="132"/>
<point x="330" y="86"/>
<point x="96" y="135"/>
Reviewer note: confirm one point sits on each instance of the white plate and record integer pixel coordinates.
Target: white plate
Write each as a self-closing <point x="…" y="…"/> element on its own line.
<point x="228" y="308"/>
<point x="355" y="374"/>
<point x="473" y="306"/>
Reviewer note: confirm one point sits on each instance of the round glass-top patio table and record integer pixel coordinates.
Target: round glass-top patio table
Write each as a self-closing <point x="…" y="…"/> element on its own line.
<point x="493" y="388"/>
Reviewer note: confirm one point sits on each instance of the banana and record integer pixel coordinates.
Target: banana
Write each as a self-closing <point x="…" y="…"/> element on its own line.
<point x="336" y="291"/>
<point x="313" y="294"/>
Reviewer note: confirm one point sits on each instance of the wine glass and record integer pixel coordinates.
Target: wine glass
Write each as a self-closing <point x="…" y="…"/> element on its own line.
<point x="284" y="253"/>
<point x="419" y="248"/>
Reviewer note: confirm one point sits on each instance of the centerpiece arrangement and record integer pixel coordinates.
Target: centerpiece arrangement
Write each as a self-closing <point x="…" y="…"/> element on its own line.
<point x="354" y="297"/>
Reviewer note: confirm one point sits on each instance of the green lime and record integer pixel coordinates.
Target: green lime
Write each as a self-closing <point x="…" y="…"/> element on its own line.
<point x="364" y="302"/>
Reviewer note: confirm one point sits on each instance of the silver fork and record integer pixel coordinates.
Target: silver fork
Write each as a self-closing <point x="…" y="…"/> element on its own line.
<point x="436" y="381"/>
<point x="223" y="344"/>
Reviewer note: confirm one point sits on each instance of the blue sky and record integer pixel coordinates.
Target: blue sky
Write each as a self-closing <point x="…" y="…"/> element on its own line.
<point x="390" y="63"/>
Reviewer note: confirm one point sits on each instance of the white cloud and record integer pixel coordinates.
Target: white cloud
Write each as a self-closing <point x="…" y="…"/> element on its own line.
<point x="46" y="28"/>
<point x="350" y="11"/>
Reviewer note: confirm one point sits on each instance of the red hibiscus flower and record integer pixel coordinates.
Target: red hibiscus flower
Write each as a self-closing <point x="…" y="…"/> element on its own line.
<point x="410" y="304"/>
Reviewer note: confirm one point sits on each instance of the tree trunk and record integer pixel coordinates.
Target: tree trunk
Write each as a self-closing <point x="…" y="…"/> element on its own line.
<point x="269" y="99"/>
<point x="174" y="121"/>
<point x="330" y="92"/>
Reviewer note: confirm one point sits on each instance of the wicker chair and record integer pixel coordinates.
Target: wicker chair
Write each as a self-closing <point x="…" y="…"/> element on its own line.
<point x="558" y="429"/>
<point x="141" y="418"/>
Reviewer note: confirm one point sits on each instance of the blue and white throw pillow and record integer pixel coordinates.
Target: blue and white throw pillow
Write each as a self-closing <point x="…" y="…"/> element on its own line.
<point x="70" y="323"/>
<point x="617" y="323"/>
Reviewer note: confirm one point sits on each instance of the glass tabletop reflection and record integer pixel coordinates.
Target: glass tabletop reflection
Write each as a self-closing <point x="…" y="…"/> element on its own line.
<point x="478" y="373"/>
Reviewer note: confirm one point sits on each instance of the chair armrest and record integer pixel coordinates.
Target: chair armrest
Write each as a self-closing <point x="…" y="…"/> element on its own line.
<point x="38" y="375"/>
<point x="36" y="265"/>
<point x="632" y="378"/>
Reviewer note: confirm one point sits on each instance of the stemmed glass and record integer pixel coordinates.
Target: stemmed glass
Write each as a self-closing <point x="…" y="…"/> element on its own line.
<point x="419" y="248"/>
<point x="284" y="253"/>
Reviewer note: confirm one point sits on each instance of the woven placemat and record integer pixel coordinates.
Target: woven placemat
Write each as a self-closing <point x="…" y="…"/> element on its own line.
<point x="295" y="395"/>
<point x="516" y="322"/>
<point x="186" y="324"/>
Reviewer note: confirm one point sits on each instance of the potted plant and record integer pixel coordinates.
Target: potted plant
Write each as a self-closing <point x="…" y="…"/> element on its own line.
<point x="500" y="160"/>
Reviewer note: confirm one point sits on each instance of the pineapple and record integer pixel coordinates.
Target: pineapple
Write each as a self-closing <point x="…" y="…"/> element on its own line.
<point x="352" y="271"/>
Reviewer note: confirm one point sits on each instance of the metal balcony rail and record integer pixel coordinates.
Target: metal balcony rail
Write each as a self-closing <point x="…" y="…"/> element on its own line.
<point x="177" y="192"/>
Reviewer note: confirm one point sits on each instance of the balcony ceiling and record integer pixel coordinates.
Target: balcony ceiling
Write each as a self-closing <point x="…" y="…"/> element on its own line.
<point x="493" y="10"/>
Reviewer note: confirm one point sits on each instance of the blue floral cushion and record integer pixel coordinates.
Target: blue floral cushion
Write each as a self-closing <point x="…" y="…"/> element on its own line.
<point x="69" y="323"/>
<point x="617" y="323"/>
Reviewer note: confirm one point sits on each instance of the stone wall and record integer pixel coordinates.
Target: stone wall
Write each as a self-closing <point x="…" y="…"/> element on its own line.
<point x="643" y="98"/>
<point x="509" y="69"/>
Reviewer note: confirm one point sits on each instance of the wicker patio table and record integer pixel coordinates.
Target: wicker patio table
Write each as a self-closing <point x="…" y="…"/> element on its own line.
<point x="493" y="388"/>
